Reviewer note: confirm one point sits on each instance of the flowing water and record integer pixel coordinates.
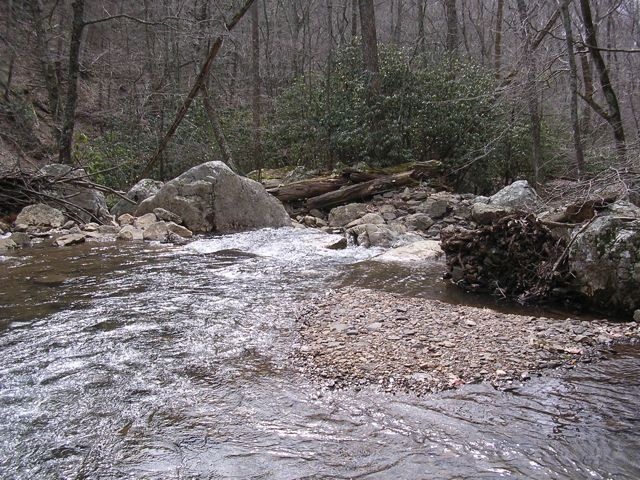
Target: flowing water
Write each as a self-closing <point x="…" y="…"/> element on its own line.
<point x="141" y="361"/>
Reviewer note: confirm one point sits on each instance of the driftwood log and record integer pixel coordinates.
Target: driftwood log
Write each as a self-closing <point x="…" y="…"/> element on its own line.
<point x="352" y="185"/>
<point x="307" y="188"/>
<point x="362" y="191"/>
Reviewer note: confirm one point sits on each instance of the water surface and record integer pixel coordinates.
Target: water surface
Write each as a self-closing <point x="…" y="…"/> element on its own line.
<point x="143" y="361"/>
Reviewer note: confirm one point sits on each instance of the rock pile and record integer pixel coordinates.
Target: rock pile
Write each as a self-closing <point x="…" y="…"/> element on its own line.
<point x="395" y="218"/>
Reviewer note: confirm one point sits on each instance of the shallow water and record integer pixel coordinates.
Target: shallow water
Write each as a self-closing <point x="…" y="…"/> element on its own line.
<point x="141" y="361"/>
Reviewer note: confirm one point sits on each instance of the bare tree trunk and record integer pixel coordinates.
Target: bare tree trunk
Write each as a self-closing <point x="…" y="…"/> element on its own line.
<point x="573" y="87"/>
<point x="46" y="64"/>
<point x="589" y="91"/>
<point x="369" y="42"/>
<point x="397" y="33"/>
<point x="69" y="121"/>
<point x="354" y="18"/>
<point x="614" y="116"/>
<point x="531" y="94"/>
<point x="498" y="45"/>
<point x="204" y="72"/>
<point x="452" y="28"/>
<point x="255" y="79"/>
<point x="216" y="126"/>
<point x="329" y="86"/>
<point x="422" y="41"/>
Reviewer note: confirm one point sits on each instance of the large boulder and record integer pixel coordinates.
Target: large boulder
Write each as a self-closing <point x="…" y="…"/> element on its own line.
<point x="142" y="190"/>
<point x="40" y="215"/>
<point x="519" y="195"/>
<point x="90" y="203"/>
<point x="211" y="198"/>
<point x="605" y="259"/>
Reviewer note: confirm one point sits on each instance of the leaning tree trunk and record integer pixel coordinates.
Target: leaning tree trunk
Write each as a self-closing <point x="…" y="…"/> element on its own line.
<point x="614" y="116"/>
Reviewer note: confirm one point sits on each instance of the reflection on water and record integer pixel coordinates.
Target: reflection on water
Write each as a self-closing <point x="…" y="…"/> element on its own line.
<point x="139" y="361"/>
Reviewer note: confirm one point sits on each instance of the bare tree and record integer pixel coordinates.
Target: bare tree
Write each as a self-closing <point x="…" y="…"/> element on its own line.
<point x="255" y="97"/>
<point x="613" y="116"/>
<point x="452" y="27"/>
<point x="369" y="42"/>
<point x="531" y="92"/>
<point x="497" y="56"/>
<point x="69" y="119"/>
<point x="573" y="85"/>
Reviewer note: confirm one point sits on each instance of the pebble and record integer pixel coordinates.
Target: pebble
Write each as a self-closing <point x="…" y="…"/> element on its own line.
<point x="354" y="338"/>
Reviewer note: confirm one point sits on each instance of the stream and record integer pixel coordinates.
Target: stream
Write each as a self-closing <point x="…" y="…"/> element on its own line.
<point x="136" y="360"/>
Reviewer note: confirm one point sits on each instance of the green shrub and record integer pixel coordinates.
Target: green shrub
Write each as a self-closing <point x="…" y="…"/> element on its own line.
<point x="445" y="110"/>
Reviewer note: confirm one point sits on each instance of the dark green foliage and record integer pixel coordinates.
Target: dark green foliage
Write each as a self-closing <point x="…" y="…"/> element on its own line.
<point x="445" y="110"/>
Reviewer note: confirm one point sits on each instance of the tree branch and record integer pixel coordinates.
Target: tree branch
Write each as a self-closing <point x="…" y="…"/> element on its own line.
<point x="128" y="17"/>
<point x="596" y="108"/>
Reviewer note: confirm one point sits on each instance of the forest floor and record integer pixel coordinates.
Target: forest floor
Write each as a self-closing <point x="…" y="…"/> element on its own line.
<point x="354" y="337"/>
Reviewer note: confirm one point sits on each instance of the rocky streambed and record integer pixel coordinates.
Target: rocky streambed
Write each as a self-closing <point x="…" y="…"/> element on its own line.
<point x="355" y="337"/>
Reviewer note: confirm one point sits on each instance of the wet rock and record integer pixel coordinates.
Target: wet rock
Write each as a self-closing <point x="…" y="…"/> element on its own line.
<point x="519" y="195"/>
<point x="372" y="218"/>
<point x="176" y="239"/>
<point x="156" y="232"/>
<point x="419" y="221"/>
<point x="21" y="239"/>
<point x="340" y="244"/>
<point x="167" y="216"/>
<point x="91" y="227"/>
<point x="605" y="260"/>
<point x="144" y="221"/>
<point x="129" y="232"/>
<point x="142" y="190"/>
<point x="108" y="229"/>
<point x="4" y="227"/>
<point x="342" y="216"/>
<point x="210" y="197"/>
<point x="370" y="235"/>
<point x="126" y="219"/>
<point x="179" y="230"/>
<point x="7" y="244"/>
<point x="40" y="215"/>
<point x="71" y="239"/>
<point x="486" y="214"/>
<point x="423" y="251"/>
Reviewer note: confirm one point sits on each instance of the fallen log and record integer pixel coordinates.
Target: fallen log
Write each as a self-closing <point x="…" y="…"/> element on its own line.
<point x="362" y="191"/>
<point x="307" y="188"/>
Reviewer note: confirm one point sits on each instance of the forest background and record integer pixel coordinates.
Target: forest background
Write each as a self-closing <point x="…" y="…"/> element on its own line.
<point x="497" y="90"/>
